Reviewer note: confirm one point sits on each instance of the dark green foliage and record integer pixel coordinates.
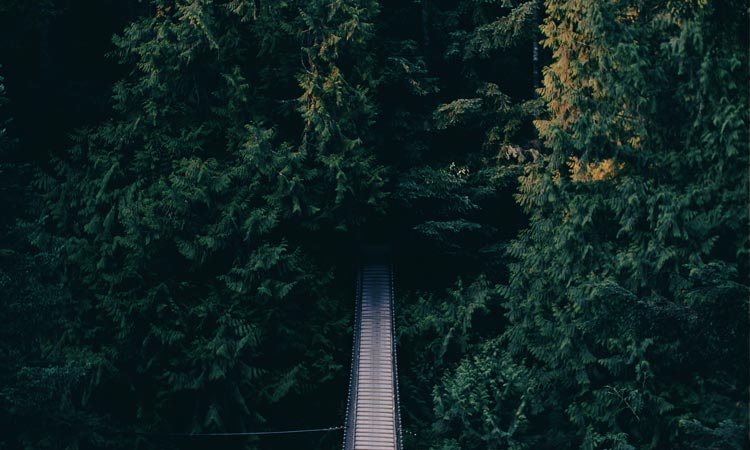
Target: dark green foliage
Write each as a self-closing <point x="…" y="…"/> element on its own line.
<point x="192" y="221"/>
<point x="464" y="123"/>
<point x="10" y="188"/>
<point x="37" y="389"/>
<point x="435" y="332"/>
<point x="628" y="296"/>
<point x="5" y="141"/>
<point x="183" y="262"/>
<point x="465" y="142"/>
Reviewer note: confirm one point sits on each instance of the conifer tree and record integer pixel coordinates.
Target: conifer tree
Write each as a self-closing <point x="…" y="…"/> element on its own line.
<point x="628" y="296"/>
<point x="191" y="252"/>
<point x="477" y="82"/>
<point x="463" y="122"/>
<point x="193" y="221"/>
<point x="35" y="388"/>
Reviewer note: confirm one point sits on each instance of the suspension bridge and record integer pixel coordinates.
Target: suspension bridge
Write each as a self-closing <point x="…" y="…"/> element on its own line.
<point x="373" y="419"/>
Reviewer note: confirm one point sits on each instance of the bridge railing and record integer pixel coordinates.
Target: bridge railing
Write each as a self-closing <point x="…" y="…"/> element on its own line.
<point x="351" y="403"/>
<point x="397" y="402"/>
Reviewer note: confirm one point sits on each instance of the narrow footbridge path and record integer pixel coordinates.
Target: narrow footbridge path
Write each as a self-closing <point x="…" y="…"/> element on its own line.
<point x="373" y="419"/>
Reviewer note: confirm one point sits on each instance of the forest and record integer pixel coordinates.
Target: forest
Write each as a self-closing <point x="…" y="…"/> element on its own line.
<point x="562" y="186"/>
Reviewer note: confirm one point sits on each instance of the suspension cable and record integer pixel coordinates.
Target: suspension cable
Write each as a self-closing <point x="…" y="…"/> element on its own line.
<point x="250" y="433"/>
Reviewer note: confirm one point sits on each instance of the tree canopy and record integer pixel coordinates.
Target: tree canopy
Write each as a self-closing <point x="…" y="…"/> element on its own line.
<point x="564" y="185"/>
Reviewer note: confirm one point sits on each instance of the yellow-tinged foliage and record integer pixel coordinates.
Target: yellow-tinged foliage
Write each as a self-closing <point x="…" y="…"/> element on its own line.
<point x="594" y="171"/>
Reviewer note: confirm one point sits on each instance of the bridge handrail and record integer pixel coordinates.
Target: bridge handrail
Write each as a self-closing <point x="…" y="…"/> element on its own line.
<point x="397" y="402"/>
<point x="351" y="409"/>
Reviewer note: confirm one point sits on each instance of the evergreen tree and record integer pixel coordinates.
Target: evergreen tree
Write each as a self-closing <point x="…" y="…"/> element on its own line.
<point x="479" y="123"/>
<point x="188" y="268"/>
<point x="35" y="388"/>
<point x="463" y="107"/>
<point x="195" y="222"/>
<point x="628" y="296"/>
